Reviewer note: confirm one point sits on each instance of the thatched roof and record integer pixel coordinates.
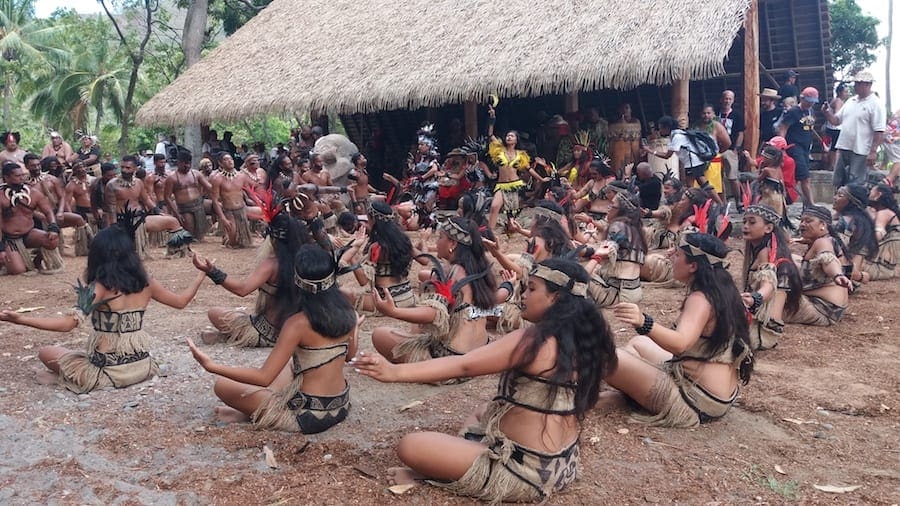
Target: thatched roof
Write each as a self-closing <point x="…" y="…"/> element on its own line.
<point x="350" y="56"/>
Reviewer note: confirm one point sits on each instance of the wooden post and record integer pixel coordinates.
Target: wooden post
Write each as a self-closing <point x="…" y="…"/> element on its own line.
<point x="751" y="77"/>
<point x="681" y="101"/>
<point x="470" y="113"/>
<point x="571" y="106"/>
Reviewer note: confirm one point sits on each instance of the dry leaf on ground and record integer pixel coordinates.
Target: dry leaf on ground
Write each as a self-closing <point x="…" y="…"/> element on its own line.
<point x="832" y="489"/>
<point x="270" y="457"/>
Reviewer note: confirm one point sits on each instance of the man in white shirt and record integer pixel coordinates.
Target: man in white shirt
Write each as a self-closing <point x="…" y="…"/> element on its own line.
<point x="862" y="120"/>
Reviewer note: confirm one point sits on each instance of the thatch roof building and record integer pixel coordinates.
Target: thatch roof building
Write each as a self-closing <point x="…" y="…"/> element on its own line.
<point x="350" y="56"/>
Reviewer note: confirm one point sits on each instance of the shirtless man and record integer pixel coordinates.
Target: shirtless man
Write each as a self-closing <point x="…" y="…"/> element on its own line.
<point x="156" y="183"/>
<point x="52" y="188"/>
<point x="12" y="153"/>
<point x="228" y="201"/>
<point x="256" y="175"/>
<point x="317" y="175"/>
<point x="361" y="192"/>
<point x="184" y="191"/>
<point x="127" y="190"/>
<point x="18" y="202"/>
<point x="79" y="191"/>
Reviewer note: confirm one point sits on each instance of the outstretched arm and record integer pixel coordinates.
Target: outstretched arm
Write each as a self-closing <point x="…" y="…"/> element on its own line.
<point x="495" y="357"/>
<point x="54" y="324"/>
<point x="177" y="300"/>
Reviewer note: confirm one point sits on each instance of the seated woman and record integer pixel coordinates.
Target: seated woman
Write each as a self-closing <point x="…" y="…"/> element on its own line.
<point x="662" y="232"/>
<point x="689" y="374"/>
<point x="825" y="287"/>
<point x="695" y="212"/>
<point x="453" y="315"/>
<point x="117" y="293"/>
<point x="591" y="197"/>
<point x="856" y="228"/>
<point x="887" y="231"/>
<point x="771" y="280"/>
<point x="615" y="266"/>
<point x="548" y="240"/>
<point x="388" y="253"/>
<point x="311" y="395"/>
<point x="523" y="446"/>
<point x="274" y="280"/>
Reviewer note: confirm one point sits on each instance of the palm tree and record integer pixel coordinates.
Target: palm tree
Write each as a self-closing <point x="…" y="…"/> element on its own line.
<point x="95" y="80"/>
<point x="24" y="41"/>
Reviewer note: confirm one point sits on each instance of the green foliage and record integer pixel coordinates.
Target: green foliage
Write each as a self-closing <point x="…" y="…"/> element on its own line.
<point x="787" y="489"/>
<point x="234" y="13"/>
<point x="854" y="37"/>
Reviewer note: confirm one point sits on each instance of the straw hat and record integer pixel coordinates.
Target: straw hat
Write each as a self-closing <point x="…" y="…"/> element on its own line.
<point x="770" y="93"/>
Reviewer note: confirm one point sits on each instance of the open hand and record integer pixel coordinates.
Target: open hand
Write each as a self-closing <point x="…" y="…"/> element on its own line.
<point x="203" y="264"/>
<point x="8" y="315"/>
<point x="201" y="358"/>
<point x="375" y="366"/>
<point x="383" y="300"/>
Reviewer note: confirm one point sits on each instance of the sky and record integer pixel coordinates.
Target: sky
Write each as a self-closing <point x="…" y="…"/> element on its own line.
<point x="876" y="8"/>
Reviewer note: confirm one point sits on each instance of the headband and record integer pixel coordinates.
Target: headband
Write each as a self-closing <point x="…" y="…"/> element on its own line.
<point x="625" y="203"/>
<point x="547" y="213"/>
<point x="765" y="212"/>
<point x="456" y="232"/>
<point x="560" y="279"/>
<point x="379" y="215"/>
<point x="817" y="212"/>
<point x="843" y="190"/>
<point x="694" y="251"/>
<point x="314" y="285"/>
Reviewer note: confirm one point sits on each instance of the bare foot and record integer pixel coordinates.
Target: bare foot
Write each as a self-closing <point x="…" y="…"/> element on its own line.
<point x="227" y="414"/>
<point x="403" y="476"/>
<point x="611" y="400"/>
<point x="46" y="377"/>
<point x="210" y="336"/>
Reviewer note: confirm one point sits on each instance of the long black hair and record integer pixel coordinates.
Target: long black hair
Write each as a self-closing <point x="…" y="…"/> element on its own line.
<point x="391" y="239"/>
<point x="717" y="285"/>
<point x="886" y="200"/>
<point x="585" y="350"/>
<point x="863" y="240"/>
<point x="114" y="263"/>
<point x="556" y="242"/>
<point x="288" y="235"/>
<point x="328" y="311"/>
<point x="472" y="259"/>
<point x="469" y="206"/>
<point x="631" y="218"/>
<point x="784" y="263"/>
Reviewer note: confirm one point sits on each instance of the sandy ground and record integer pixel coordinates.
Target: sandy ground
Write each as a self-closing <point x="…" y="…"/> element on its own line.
<point x="821" y="409"/>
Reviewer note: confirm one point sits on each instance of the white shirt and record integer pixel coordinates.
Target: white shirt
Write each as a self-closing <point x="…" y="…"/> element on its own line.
<point x="679" y="143"/>
<point x="860" y="119"/>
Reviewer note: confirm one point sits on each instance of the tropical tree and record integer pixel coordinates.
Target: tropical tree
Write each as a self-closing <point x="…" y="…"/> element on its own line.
<point x="854" y="37"/>
<point x="24" y="42"/>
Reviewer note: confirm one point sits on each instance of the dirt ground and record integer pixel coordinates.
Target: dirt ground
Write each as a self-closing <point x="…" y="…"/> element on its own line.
<point x="820" y="410"/>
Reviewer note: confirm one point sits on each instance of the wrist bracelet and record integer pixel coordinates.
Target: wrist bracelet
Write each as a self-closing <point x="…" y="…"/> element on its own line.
<point x="509" y="287"/>
<point x="834" y="278"/>
<point x="53" y="227"/>
<point x="2" y="246"/>
<point x="644" y="330"/>
<point x="217" y="275"/>
<point x="757" y="302"/>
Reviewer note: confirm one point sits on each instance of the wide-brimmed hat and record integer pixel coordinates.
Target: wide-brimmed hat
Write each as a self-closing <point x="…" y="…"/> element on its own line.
<point x="863" y="77"/>
<point x="769" y="93"/>
<point x="458" y="152"/>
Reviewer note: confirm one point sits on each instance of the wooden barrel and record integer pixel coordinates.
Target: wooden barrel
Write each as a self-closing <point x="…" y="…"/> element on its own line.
<point x="624" y="144"/>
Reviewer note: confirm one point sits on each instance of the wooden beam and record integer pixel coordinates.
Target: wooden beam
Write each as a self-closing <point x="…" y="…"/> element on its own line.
<point x="751" y="77"/>
<point x="681" y="101"/>
<point x="470" y="113"/>
<point x="571" y="106"/>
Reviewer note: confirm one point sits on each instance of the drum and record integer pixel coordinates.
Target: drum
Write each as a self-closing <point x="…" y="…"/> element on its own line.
<point x="624" y="144"/>
<point x="662" y="166"/>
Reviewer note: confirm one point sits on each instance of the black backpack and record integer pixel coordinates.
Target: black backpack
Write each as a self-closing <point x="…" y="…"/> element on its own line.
<point x="704" y="146"/>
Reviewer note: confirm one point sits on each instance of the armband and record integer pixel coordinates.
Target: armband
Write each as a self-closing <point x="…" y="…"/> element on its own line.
<point x="53" y="227"/>
<point x="217" y="275"/>
<point x="644" y="329"/>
